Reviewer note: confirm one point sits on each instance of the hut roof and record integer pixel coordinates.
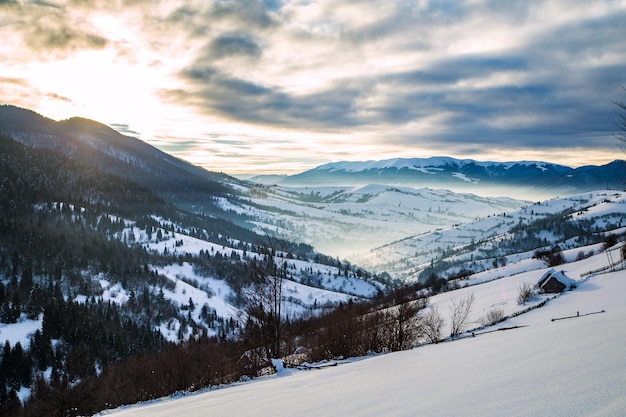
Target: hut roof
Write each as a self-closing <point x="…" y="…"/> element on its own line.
<point x="555" y="281"/>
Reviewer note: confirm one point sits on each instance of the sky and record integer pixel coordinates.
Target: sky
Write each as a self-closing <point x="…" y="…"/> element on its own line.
<point x="271" y="86"/>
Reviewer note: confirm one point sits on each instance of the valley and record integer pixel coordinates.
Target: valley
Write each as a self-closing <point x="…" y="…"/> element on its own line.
<point x="349" y="222"/>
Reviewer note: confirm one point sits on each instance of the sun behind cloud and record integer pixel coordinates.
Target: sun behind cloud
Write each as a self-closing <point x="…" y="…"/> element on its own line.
<point x="254" y="85"/>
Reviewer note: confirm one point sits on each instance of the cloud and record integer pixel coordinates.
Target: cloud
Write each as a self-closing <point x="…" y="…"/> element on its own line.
<point x="234" y="44"/>
<point x="497" y="74"/>
<point x="50" y="30"/>
<point x="376" y="74"/>
<point x="124" y="129"/>
<point x="247" y="101"/>
<point x="202" y="18"/>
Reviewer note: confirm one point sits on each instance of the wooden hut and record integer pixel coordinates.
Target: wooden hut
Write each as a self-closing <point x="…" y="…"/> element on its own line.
<point x="555" y="282"/>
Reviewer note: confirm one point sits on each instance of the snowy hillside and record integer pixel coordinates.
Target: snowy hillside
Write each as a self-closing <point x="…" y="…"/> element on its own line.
<point x="565" y="358"/>
<point x="504" y="238"/>
<point x="309" y="285"/>
<point x="350" y="221"/>
<point x="427" y="165"/>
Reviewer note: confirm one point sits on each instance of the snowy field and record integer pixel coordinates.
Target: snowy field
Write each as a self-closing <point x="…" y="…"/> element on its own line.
<point x="568" y="367"/>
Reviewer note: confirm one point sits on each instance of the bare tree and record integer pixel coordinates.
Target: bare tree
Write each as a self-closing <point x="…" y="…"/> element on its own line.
<point x="459" y="314"/>
<point x="405" y="322"/>
<point x="432" y="324"/>
<point x="263" y="303"/>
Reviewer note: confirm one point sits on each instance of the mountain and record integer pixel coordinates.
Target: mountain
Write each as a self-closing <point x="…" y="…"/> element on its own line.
<point x="337" y="221"/>
<point x="526" y="179"/>
<point x="103" y="148"/>
<point x="537" y="341"/>
<point x="100" y="264"/>
<point x="528" y="365"/>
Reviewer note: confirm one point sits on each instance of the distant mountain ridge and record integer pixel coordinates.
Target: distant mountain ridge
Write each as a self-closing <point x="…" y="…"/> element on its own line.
<point x="424" y="164"/>
<point x="468" y="175"/>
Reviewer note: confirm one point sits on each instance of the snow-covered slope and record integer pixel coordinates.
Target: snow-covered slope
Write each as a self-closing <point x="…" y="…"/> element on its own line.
<point x="503" y="238"/>
<point x="309" y="286"/>
<point x="350" y="221"/>
<point x="538" y="366"/>
<point x="428" y="165"/>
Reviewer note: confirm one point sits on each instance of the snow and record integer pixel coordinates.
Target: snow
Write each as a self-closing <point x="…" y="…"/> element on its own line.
<point x="300" y="298"/>
<point x="419" y="164"/>
<point x="184" y="291"/>
<point x="351" y="221"/>
<point x="115" y="293"/>
<point x="20" y="331"/>
<point x="539" y="366"/>
<point x="406" y="258"/>
<point x="463" y="177"/>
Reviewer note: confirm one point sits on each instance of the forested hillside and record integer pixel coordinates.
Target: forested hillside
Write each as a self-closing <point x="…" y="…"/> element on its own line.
<point x="67" y="237"/>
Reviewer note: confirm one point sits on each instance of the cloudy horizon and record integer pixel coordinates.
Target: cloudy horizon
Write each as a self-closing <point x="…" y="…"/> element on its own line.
<point x="276" y="86"/>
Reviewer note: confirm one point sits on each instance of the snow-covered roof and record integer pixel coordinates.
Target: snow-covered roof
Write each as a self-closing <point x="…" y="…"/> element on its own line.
<point x="560" y="276"/>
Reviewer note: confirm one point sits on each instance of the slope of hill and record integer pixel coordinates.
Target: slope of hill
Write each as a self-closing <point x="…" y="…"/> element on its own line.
<point x="102" y="148"/>
<point x="539" y="366"/>
<point x="501" y="239"/>
<point x="351" y="221"/>
<point x="96" y="269"/>
<point x="105" y="274"/>
<point x="529" y="179"/>
<point x="340" y="222"/>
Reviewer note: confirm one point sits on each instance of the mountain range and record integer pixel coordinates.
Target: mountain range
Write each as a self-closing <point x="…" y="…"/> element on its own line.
<point x="524" y="179"/>
<point x="194" y="188"/>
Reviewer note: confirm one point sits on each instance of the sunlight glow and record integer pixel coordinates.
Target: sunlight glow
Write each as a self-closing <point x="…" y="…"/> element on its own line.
<point x="298" y="84"/>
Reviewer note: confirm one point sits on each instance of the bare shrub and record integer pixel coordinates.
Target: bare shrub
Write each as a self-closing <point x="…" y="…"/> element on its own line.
<point x="493" y="316"/>
<point x="432" y="325"/>
<point x="525" y="293"/>
<point x="404" y="323"/>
